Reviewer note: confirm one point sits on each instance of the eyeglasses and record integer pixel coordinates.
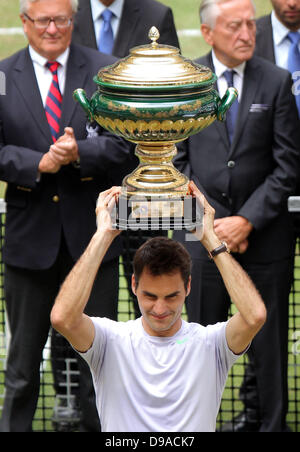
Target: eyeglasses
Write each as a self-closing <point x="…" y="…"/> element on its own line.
<point x="44" y="22"/>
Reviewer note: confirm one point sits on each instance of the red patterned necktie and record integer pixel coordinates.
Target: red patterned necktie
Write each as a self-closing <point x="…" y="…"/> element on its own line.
<point x="54" y="102"/>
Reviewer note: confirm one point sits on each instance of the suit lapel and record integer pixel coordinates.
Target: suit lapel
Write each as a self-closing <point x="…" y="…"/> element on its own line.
<point x="250" y="86"/>
<point x="130" y="16"/>
<point x="84" y="24"/>
<point x="268" y="38"/>
<point x="77" y="73"/>
<point x="264" y="39"/>
<point x="220" y="126"/>
<point x="26" y="83"/>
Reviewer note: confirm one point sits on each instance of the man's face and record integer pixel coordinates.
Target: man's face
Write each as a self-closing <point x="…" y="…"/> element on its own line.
<point x="288" y="12"/>
<point x="233" y="37"/>
<point x="49" y="42"/>
<point x="161" y="300"/>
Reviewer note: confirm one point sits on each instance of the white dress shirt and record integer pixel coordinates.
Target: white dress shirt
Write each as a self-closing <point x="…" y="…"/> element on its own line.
<point x="238" y="77"/>
<point x="281" y="41"/>
<point x="43" y="74"/>
<point x="97" y="8"/>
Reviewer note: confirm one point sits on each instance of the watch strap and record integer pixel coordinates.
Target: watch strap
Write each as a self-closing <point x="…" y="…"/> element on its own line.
<point x="223" y="248"/>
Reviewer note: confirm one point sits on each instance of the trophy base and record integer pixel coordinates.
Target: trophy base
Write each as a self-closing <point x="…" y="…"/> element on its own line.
<point x="158" y="213"/>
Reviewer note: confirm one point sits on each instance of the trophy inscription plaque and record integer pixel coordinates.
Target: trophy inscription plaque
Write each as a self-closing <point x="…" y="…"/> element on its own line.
<point x="156" y="98"/>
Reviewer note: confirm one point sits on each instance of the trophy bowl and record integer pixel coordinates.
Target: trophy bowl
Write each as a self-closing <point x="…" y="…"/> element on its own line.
<point x="156" y="98"/>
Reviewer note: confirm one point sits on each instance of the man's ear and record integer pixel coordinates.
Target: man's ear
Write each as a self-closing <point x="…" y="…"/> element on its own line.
<point x="207" y="34"/>
<point x="188" y="289"/>
<point x="23" y="22"/>
<point x="133" y="284"/>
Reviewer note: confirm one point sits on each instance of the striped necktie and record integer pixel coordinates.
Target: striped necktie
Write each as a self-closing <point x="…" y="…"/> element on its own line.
<point x="294" y="61"/>
<point x="54" y="102"/>
<point x="106" y="38"/>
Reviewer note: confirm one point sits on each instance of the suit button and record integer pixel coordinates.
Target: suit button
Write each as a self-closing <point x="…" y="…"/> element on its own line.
<point x="55" y="198"/>
<point x="231" y="164"/>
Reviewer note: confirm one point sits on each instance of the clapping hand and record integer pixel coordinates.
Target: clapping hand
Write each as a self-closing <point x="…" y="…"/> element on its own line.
<point x="62" y="152"/>
<point x="65" y="149"/>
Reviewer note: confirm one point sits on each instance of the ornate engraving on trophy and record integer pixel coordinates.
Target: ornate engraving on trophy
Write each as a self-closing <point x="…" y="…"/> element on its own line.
<point x="156" y="98"/>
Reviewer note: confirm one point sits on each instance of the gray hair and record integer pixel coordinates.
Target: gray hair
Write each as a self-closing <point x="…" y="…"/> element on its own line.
<point x="24" y="5"/>
<point x="210" y="11"/>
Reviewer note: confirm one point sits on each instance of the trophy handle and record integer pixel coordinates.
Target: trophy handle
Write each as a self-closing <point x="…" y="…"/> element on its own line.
<point x="79" y="95"/>
<point x="227" y="100"/>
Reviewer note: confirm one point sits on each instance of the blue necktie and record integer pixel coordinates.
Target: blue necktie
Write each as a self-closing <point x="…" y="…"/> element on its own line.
<point x="106" y="38"/>
<point x="232" y="113"/>
<point x="294" y="59"/>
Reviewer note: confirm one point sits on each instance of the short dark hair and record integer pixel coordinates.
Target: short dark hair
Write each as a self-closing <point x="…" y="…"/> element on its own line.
<point x="161" y="255"/>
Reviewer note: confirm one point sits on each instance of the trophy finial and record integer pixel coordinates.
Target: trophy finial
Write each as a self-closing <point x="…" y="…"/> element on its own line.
<point x="154" y="35"/>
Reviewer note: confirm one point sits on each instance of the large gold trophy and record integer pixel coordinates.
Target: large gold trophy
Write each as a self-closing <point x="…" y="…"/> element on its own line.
<point x="156" y="98"/>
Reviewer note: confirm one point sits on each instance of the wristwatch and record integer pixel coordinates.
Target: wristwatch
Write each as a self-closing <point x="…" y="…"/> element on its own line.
<point x="223" y="248"/>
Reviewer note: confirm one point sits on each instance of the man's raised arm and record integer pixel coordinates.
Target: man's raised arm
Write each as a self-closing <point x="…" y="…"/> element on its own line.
<point x="67" y="315"/>
<point x="251" y="315"/>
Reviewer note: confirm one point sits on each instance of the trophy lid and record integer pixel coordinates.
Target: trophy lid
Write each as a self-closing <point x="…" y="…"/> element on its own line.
<point x="155" y="66"/>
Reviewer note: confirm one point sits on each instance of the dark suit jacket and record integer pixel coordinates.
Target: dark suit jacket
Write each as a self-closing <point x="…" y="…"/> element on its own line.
<point x="264" y="38"/>
<point x="264" y="160"/>
<point x="137" y="18"/>
<point x="34" y="222"/>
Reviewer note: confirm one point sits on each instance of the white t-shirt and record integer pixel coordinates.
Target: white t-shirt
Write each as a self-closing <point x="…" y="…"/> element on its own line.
<point x="158" y="384"/>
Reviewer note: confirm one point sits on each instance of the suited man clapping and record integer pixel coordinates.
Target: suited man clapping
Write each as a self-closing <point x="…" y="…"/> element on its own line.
<point x="54" y="174"/>
<point x="247" y="168"/>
